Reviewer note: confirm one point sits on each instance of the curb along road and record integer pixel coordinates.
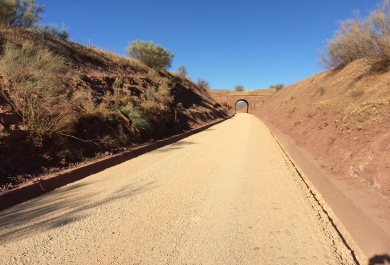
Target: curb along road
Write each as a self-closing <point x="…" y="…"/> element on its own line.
<point x="27" y="192"/>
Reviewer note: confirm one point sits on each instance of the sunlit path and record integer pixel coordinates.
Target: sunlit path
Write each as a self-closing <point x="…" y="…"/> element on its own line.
<point x="227" y="195"/>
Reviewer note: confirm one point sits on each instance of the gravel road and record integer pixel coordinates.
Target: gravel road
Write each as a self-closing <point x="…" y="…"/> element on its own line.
<point x="227" y="195"/>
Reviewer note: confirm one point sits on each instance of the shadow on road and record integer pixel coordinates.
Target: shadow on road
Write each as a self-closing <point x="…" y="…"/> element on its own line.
<point x="174" y="146"/>
<point x="59" y="208"/>
<point x="379" y="259"/>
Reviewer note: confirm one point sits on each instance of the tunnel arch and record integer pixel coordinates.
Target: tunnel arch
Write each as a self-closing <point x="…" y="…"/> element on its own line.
<point x="247" y="105"/>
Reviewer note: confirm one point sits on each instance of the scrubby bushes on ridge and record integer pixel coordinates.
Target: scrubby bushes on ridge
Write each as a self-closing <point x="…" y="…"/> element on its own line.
<point x="239" y="88"/>
<point x="367" y="39"/>
<point x="182" y="70"/>
<point x="277" y="86"/>
<point x="153" y="55"/>
<point x="52" y="30"/>
<point x="203" y="83"/>
<point x="20" y="13"/>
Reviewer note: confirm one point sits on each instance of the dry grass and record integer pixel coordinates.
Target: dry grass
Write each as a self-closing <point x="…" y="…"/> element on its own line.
<point x="31" y="87"/>
<point x="365" y="39"/>
<point x="203" y="84"/>
<point x="158" y="102"/>
<point x="37" y="70"/>
<point x="325" y="104"/>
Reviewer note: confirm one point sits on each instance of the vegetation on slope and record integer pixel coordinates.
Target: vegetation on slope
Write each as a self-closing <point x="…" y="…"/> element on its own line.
<point x="342" y="115"/>
<point x="366" y="39"/>
<point x="62" y="103"/>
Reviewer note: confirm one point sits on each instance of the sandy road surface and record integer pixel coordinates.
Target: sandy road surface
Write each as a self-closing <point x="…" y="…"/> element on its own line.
<point x="227" y="195"/>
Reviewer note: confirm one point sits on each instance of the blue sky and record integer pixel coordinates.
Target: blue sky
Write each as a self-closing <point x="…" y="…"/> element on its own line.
<point x="251" y="43"/>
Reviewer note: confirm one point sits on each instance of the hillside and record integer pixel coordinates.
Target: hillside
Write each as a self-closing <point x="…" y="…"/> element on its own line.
<point x="342" y="117"/>
<point x="103" y="103"/>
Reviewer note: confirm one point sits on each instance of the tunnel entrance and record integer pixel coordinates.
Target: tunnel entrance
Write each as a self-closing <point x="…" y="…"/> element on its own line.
<point x="241" y="106"/>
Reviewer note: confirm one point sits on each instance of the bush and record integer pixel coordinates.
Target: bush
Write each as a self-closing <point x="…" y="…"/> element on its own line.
<point x="367" y="39"/>
<point x="136" y="116"/>
<point x="182" y="70"/>
<point x="153" y="55"/>
<point x="20" y="13"/>
<point x="7" y="11"/>
<point x="203" y="83"/>
<point x="52" y="30"/>
<point x="157" y="102"/>
<point x="31" y="86"/>
<point x="239" y="88"/>
<point x="277" y="86"/>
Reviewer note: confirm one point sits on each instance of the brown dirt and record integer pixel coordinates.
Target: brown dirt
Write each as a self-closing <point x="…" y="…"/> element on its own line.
<point x="94" y="69"/>
<point x="342" y="117"/>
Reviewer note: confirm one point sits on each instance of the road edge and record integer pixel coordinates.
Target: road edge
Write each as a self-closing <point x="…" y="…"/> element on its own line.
<point x="371" y="237"/>
<point x="49" y="183"/>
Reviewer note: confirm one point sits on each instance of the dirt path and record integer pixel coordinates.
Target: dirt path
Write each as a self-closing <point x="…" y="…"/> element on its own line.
<point x="227" y="195"/>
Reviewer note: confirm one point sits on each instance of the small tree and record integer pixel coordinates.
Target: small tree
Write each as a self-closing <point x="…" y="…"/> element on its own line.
<point x="20" y="13"/>
<point x="182" y="70"/>
<point x="277" y="86"/>
<point x="239" y="88"/>
<point x="7" y="10"/>
<point x="203" y="83"/>
<point x="153" y="55"/>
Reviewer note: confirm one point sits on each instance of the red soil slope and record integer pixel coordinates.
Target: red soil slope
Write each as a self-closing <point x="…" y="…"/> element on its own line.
<point x="342" y="117"/>
<point x="93" y="71"/>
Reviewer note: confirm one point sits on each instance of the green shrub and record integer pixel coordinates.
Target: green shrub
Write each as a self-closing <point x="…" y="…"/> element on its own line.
<point x="182" y="70"/>
<point x="152" y="55"/>
<point x="203" y="83"/>
<point x="7" y="11"/>
<point x="20" y="13"/>
<point x="136" y="116"/>
<point x="32" y="87"/>
<point x="239" y="88"/>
